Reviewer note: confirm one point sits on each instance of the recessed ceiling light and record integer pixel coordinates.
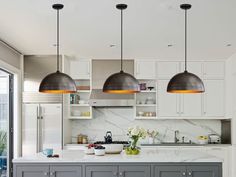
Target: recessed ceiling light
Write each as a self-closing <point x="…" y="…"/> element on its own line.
<point x="228" y="45"/>
<point x="170" y="45"/>
<point x="112" y="45"/>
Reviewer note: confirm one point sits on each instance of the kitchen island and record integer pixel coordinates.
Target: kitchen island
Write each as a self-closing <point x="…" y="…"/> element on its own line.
<point x="149" y="163"/>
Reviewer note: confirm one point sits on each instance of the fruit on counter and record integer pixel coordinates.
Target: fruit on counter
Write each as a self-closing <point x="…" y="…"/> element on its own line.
<point x="91" y="146"/>
<point x="202" y="137"/>
<point x="130" y="151"/>
<point x="99" y="147"/>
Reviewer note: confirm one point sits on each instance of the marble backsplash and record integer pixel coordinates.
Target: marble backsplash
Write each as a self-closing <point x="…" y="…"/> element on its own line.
<point x="118" y="120"/>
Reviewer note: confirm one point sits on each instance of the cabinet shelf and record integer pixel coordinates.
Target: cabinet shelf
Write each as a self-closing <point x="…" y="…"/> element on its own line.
<point x="80" y="117"/>
<point x="145" y="105"/>
<point x="83" y="91"/>
<point x="79" y="105"/>
<point x="148" y="91"/>
<point x="145" y="118"/>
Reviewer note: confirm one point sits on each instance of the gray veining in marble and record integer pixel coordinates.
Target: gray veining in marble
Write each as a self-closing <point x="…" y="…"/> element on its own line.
<point x="118" y="120"/>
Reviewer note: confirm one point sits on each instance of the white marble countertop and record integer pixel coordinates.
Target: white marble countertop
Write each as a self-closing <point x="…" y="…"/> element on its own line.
<point x="146" y="156"/>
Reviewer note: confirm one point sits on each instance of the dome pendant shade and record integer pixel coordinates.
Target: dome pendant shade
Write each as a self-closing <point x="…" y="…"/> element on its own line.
<point x="57" y="83"/>
<point x="121" y="83"/>
<point x="185" y="82"/>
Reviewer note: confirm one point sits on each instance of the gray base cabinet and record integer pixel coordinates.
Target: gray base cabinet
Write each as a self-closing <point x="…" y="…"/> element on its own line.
<point x="31" y="171"/>
<point x="100" y="171"/>
<point x="203" y="171"/>
<point x="188" y="171"/>
<point x="169" y="171"/>
<point x="119" y="170"/>
<point x="47" y="171"/>
<point x="65" y="171"/>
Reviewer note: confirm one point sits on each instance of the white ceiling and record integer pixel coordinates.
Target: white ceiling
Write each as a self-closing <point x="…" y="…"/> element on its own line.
<point x="88" y="27"/>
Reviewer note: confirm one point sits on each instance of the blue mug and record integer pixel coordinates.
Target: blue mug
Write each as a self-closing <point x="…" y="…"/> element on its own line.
<point x="48" y="152"/>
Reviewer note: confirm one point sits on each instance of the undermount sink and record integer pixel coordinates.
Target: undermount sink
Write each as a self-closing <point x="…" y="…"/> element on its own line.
<point x="176" y="144"/>
<point x="170" y="144"/>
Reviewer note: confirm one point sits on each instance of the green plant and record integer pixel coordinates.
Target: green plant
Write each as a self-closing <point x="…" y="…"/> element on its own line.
<point x="3" y="141"/>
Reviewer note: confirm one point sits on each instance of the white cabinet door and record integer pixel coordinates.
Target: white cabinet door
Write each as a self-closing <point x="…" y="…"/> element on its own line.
<point x="29" y="129"/>
<point x="80" y="69"/>
<point x="214" y="70"/>
<point x="166" y="70"/>
<point x="169" y="103"/>
<point x="213" y="97"/>
<point x="191" y="105"/>
<point x="146" y="69"/>
<point x="51" y="126"/>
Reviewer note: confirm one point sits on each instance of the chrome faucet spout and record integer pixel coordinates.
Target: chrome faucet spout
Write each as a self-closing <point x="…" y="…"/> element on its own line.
<point x="176" y="134"/>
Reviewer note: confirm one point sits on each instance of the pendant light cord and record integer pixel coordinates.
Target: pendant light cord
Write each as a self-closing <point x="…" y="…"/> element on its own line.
<point x="57" y="40"/>
<point x="121" y="41"/>
<point x="185" y="40"/>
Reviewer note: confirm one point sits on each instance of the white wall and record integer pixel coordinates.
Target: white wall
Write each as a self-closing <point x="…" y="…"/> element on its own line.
<point x="11" y="61"/>
<point x="231" y="103"/>
<point x="9" y="56"/>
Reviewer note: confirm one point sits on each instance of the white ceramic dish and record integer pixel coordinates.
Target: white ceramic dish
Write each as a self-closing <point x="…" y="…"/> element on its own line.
<point x="113" y="148"/>
<point x="99" y="152"/>
<point x="203" y="141"/>
<point x="89" y="151"/>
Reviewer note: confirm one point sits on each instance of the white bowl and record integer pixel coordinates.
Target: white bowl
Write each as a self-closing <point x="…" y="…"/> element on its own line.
<point x="203" y="141"/>
<point x="89" y="151"/>
<point x="113" y="148"/>
<point x="99" y="152"/>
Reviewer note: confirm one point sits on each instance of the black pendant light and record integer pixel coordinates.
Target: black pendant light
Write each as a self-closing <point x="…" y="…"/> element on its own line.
<point x="57" y="82"/>
<point x="121" y="82"/>
<point x="185" y="82"/>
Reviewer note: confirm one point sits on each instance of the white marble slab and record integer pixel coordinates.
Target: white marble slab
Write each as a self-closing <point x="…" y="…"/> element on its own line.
<point x="150" y="155"/>
<point x="118" y="120"/>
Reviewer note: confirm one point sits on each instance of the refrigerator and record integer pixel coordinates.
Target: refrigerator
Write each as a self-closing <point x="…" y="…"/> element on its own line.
<point x="41" y="127"/>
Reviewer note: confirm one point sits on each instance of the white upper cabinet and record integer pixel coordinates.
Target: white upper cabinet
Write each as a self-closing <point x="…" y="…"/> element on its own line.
<point x="209" y="104"/>
<point x="166" y="70"/>
<point x="168" y="103"/>
<point x="193" y="67"/>
<point x="178" y="105"/>
<point x="214" y="70"/>
<point x="191" y="105"/>
<point x="213" y="98"/>
<point x="80" y="69"/>
<point x="145" y="69"/>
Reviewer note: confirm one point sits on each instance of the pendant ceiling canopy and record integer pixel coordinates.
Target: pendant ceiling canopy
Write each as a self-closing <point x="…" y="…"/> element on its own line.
<point x="185" y="82"/>
<point x="121" y="82"/>
<point x="57" y="82"/>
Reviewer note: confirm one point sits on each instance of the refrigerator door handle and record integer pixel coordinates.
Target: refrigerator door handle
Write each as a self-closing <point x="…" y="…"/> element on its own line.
<point x="40" y="129"/>
<point x="37" y="141"/>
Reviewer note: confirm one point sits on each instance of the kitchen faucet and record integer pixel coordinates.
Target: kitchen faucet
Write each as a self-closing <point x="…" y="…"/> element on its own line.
<point x="176" y="133"/>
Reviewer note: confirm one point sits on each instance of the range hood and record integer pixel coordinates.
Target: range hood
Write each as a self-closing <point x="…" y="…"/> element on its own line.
<point x="102" y="69"/>
<point x="100" y="99"/>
